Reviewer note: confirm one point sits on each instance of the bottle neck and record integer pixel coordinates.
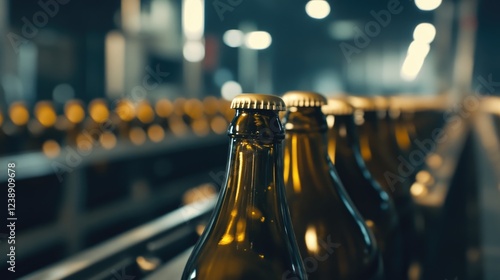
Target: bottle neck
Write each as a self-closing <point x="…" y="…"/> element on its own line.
<point x="369" y="130"/>
<point x="253" y="196"/>
<point x="342" y="137"/>
<point x="256" y="148"/>
<point x="404" y="130"/>
<point x="305" y="120"/>
<point x="371" y="123"/>
<point x="307" y="127"/>
<point x="263" y="126"/>
<point x="378" y="124"/>
<point x="305" y="141"/>
<point x="386" y="139"/>
<point x="345" y="150"/>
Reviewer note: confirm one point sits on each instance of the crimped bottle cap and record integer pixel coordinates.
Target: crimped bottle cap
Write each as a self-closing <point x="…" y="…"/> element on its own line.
<point x="363" y="103"/>
<point x="337" y="106"/>
<point x="304" y="99"/>
<point x="258" y="101"/>
<point x="381" y="102"/>
<point x="419" y="103"/>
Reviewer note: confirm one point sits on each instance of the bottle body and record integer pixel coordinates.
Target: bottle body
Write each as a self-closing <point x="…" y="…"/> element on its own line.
<point x="373" y="202"/>
<point x="250" y="234"/>
<point x="333" y="238"/>
<point x="394" y="178"/>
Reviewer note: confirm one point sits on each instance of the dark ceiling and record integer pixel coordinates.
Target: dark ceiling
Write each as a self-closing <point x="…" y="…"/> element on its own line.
<point x="301" y="45"/>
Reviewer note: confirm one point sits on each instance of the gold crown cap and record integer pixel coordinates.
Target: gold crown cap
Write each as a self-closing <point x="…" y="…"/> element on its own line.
<point x="337" y="106"/>
<point x="381" y="102"/>
<point x="258" y="102"/>
<point x="304" y="99"/>
<point x="419" y="103"/>
<point x="359" y="102"/>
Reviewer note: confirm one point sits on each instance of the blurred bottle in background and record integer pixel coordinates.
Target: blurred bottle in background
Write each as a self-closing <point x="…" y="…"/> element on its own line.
<point x="322" y="212"/>
<point x="394" y="176"/>
<point x="372" y="201"/>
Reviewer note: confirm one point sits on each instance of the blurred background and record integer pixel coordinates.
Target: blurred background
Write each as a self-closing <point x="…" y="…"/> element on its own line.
<point x="115" y="114"/>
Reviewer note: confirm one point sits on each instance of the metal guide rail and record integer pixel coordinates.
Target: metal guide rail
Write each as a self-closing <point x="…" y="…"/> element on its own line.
<point x="36" y="164"/>
<point x="135" y="253"/>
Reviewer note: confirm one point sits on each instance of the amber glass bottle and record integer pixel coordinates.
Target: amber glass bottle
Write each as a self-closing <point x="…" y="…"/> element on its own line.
<point x="250" y="235"/>
<point x="415" y="129"/>
<point x="332" y="236"/>
<point x="430" y="113"/>
<point x="372" y="201"/>
<point x="387" y="121"/>
<point x="403" y="128"/>
<point x="392" y="174"/>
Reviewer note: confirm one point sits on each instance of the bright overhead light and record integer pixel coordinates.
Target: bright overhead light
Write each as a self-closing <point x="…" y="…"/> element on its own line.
<point x="428" y="5"/>
<point x="411" y="67"/>
<point x="258" y="40"/>
<point x="230" y="89"/>
<point x="233" y="38"/>
<point x="193" y="19"/>
<point x="425" y="33"/>
<point x="418" y="49"/>
<point x="318" y="9"/>
<point x="193" y="51"/>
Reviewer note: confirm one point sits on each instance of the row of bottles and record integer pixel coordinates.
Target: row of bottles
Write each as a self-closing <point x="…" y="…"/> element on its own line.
<point x="372" y="199"/>
<point x="320" y="207"/>
<point x="320" y="197"/>
<point x="48" y="129"/>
